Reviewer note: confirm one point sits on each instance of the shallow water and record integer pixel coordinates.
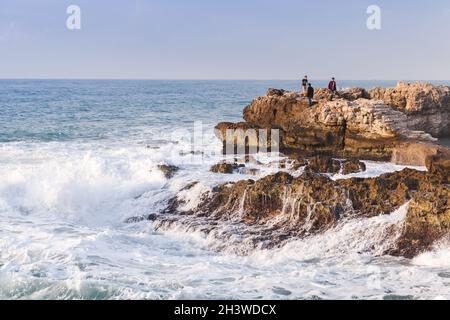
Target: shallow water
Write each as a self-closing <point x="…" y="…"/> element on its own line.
<point x="77" y="158"/>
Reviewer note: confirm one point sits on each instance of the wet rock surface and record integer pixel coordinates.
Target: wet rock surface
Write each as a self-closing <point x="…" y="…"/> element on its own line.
<point x="280" y="207"/>
<point x="226" y="168"/>
<point x="326" y="164"/>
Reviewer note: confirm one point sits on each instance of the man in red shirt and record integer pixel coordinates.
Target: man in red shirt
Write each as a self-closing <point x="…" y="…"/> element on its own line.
<point x="332" y="88"/>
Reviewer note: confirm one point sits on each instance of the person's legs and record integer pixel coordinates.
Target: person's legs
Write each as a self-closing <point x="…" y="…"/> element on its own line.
<point x="310" y="101"/>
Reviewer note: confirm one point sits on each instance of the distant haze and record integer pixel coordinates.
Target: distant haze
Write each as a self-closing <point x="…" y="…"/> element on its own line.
<point x="234" y="39"/>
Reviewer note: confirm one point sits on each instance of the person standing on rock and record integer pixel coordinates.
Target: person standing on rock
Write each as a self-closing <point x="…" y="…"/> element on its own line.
<point x="332" y="88"/>
<point x="310" y="94"/>
<point x="305" y="85"/>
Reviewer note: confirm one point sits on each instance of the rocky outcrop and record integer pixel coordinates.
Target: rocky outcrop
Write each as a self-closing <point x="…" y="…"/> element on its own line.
<point x="350" y="94"/>
<point x="350" y="126"/>
<point x="382" y="124"/>
<point x="283" y="207"/>
<point x="352" y="166"/>
<point x="225" y="167"/>
<point x="427" y="221"/>
<point x="439" y="164"/>
<point x="280" y="207"/>
<point x="326" y="164"/>
<point x="427" y="107"/>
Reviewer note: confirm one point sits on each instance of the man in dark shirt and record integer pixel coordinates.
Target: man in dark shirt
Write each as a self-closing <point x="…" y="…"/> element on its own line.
<point x="310" y="94"/>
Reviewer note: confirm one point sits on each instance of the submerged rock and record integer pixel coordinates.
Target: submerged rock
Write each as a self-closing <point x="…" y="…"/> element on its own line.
<point x="150" y="217"/>
<point x="169" y="171"/>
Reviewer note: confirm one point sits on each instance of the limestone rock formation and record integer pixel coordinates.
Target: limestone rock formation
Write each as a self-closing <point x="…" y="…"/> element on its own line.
<point x="427" y="107"/>
<point x="361" y="128"/>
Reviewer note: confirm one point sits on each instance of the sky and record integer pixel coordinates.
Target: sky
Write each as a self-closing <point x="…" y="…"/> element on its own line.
<point x="232" y="39"/>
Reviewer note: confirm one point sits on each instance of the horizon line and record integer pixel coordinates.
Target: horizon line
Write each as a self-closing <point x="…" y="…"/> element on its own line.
<point x="214" y="79"/>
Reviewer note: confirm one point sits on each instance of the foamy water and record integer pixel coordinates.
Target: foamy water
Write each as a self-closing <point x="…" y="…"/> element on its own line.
<point x="65" y="196"/>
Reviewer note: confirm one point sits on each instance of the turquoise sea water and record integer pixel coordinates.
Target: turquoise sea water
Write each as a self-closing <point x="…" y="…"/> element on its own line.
<point x="79" y="157"/>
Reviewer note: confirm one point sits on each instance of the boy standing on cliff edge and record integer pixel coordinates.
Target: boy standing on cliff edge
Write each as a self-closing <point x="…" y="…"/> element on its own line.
<point x="305" y="85"/>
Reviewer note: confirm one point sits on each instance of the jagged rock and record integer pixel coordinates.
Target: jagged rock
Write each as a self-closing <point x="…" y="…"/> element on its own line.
<point x="275" y="92"/>
<point x="354" y="94"/>
<point x="386" y="193"/>
<point x="439" y="164"/>
<point x="168" y="170"/>
<point x="427" y="220"/>
<point x="352" y="166"/>
<point x="326" y="164"/>
<point x="350" y="94"/>
<point x="225" y="167"/>
<point x="323" y="164"/>
<point x="427" y="106"/>
<point x="257" y="202"/>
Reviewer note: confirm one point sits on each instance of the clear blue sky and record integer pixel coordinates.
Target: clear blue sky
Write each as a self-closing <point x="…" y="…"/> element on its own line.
<point x="218" y="39"/>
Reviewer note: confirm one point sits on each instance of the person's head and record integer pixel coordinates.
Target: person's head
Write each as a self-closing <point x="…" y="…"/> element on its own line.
<point x="309" y="84"/>
<point x="306" y="77"/>
<point x="332" y="78"/>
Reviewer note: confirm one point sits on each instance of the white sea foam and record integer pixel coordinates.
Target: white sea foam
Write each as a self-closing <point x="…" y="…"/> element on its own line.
<point x="62" y="235"/>
<point x="375" y="169"/>
<point x="438" y="257"/>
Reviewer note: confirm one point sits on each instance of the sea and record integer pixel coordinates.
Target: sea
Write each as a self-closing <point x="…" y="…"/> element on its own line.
<point x="78" y="158"/>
